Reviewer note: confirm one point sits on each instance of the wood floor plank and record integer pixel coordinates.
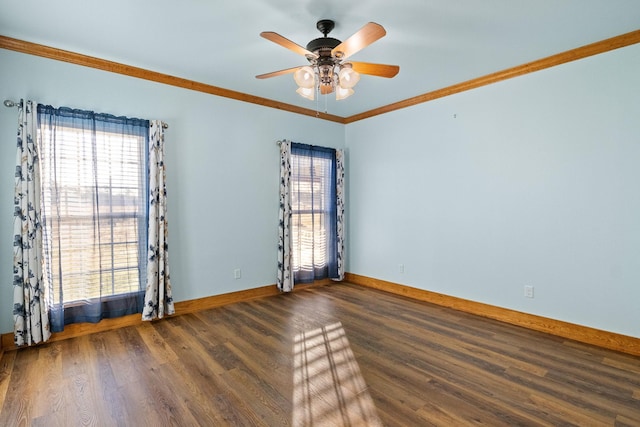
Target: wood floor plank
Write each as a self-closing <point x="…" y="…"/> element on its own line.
<point x="23" y="383"/>
<point x="52" y="402"/>
<point x="627" y="364"/>
<point x="139" y="407"/>
<point x="159" y="349"/>
<point x="6" y="368"/>
<point x="202" y="374"/>
<point x="118" y="358"/>
<point x="267" y="403"/>
<point x="195" y="398"/>
<point x="84" y="385"/>
<point x="106" y="377"/>
<point x="334" y="355"/>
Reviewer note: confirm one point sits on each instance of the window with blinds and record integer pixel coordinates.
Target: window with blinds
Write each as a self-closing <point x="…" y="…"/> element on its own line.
<point x="313" y="207"/>
<point x="96" y="214"/>
<point x="93" y="186"/>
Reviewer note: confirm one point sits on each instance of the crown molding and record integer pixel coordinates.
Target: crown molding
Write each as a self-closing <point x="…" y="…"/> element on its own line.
<point x="154" y="76"/>
<point x="596" y="48"/>
<point x="585" y="51"/>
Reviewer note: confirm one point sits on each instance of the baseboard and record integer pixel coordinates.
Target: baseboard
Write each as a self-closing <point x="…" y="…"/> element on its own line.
<point x="584" y="334"/>
<point x="6" y="342"/>
<point x="182" y="307"/>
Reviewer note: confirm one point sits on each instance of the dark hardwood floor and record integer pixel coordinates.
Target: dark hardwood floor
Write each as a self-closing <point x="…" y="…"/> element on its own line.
<point x="324" y="356"/>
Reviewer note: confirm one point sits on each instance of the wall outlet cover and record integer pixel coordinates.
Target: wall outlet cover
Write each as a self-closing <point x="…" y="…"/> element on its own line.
<point x="528" y="291"/>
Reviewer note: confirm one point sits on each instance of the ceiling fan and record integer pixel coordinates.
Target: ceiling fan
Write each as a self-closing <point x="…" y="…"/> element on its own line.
<point x="328" y="70"/>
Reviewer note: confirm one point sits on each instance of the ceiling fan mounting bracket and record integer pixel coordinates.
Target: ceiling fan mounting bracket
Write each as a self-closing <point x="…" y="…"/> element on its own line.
<point x="325" y="26"/>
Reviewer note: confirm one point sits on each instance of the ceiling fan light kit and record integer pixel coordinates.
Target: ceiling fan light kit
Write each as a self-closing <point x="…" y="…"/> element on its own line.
<point x="328" y="71"/>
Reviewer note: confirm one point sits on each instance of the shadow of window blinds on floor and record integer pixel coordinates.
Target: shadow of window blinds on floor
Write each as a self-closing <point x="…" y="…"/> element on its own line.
<point x="328" y="388"/>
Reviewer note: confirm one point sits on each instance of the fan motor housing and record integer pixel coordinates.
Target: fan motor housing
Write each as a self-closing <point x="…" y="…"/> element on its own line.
<point x="322" y="44"/>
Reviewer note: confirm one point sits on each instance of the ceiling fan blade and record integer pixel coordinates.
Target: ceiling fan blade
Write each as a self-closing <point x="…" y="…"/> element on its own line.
<point x="361" y="39"/>
<point x="285" y="42"/>
<point x="380" y="70"/>
<point x="277" y="73"/>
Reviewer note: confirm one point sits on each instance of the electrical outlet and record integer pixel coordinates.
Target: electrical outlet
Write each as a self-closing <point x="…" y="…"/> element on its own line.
<point x="401" y="268"/>
<point x="528" y="291"/>
<point x="237" y="273"/>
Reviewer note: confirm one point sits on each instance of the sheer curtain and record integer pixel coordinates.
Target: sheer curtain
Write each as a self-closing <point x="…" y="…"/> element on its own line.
<point x="311" y="239"/>
<point x="94" y="213"/>
<point x="313" y="201"/>
<point x="30" y="314"/>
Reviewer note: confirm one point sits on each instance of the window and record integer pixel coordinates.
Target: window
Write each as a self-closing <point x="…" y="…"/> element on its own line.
<point x="93" y="184"/>
<point x="313" y="204"/>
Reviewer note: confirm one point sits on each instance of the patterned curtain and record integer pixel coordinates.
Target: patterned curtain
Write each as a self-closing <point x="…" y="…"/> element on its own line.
<point x="285" y="259"/>
<point x="158" y="300"/>
<point x="30" y="315"/>
<point x="340" y="211"/>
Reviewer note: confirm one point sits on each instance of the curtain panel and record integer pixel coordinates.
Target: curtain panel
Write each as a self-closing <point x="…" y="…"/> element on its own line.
<point x="30" y="313"/>
<point x="158" y="299"/>
<point x="285" y="262"/>
<point x="340" y="213"/>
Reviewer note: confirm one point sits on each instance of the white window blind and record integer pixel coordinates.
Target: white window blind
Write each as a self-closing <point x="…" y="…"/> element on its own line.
<point x="94" y="210"/>
<point x="311" y="204"/>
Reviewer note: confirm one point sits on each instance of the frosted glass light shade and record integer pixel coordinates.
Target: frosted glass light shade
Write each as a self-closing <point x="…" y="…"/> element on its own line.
<point x="348" y="78"/>
<point x="305" y="77"/>
<point x="306" y="92"/>
<point x="342" y="93"/>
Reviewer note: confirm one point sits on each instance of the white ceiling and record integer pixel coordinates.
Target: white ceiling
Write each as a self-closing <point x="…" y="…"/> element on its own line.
<point x="436" y="43"/>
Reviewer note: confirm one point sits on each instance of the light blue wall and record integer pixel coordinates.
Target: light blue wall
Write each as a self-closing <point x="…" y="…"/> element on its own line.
<point x="531" y="181"/>
<point x="222" y="169"/>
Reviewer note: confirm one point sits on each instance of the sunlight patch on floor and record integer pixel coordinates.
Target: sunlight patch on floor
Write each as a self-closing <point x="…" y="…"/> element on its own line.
<point x="328" y="387"/>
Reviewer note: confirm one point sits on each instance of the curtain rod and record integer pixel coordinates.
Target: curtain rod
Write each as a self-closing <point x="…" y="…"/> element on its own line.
<point x="10" y="104"/>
